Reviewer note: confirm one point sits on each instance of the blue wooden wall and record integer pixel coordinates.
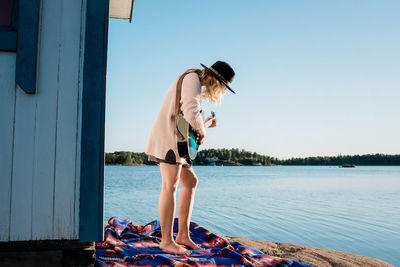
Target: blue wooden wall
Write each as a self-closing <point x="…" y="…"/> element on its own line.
<point x="52" y="141"/>
<point x="93" y="121"/>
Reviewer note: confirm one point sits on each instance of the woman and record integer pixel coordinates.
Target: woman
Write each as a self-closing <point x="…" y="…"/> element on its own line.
<point x="162" y="147"/>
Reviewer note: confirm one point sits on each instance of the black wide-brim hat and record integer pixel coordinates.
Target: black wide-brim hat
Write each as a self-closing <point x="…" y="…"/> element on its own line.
<point x="223" y="72"/>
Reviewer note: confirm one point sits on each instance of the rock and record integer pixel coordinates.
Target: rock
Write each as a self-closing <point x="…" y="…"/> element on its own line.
<point x="319" y="257"/>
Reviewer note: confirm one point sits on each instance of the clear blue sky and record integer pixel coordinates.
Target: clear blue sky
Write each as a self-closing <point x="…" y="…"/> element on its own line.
<point x="312" y="77"/>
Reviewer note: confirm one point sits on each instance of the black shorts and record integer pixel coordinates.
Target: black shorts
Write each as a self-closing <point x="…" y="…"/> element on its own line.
<point x="186" y="162"/>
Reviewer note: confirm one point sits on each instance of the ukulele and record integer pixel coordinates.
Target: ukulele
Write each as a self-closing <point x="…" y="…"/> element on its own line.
<point x="189" y="145"/>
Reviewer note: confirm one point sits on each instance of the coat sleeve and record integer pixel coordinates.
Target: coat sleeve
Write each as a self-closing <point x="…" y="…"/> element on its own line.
<point x="191" y="100"/>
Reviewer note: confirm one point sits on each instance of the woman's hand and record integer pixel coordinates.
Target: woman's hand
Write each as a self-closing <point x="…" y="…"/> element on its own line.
<point x="202" y="136"/>
<point x="214" y="122"/>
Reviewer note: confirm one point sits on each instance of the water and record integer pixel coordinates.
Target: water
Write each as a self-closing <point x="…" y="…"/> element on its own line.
<point x="355" y="210"/>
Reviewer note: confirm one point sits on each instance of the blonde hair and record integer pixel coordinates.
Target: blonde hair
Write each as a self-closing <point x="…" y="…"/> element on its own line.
<point x="214" y="89"/>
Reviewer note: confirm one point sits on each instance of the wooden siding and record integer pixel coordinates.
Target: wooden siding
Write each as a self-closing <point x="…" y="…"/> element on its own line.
<point x="39" y="185"/>
<point x="7" y="113"/>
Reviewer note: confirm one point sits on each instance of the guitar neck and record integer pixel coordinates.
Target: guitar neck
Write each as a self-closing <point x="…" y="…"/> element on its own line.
<point x="208" y="123"/>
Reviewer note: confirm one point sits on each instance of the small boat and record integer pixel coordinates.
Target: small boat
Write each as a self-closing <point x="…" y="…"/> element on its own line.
<point x="348" y="165"/>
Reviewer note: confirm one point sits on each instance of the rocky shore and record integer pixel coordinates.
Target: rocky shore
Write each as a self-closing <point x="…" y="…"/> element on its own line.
<point x="319" y="257"/>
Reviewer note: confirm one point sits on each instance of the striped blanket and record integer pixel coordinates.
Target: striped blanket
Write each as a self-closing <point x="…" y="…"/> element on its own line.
<point x="127" y="244"/>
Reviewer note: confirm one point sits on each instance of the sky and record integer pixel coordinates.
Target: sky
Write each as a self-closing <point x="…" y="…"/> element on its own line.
<point x="313" y="78"/>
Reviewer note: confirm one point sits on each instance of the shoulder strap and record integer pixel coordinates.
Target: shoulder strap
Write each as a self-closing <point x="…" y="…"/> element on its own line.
<point x="178" y="101"/>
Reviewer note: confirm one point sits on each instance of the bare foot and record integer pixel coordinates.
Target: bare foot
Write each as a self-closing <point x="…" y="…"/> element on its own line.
<point x="175" y="248"/>
<point x="187" y="242"/>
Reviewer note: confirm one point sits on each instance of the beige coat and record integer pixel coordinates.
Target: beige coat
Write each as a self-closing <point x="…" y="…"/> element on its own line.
<point x="162" y="140"/>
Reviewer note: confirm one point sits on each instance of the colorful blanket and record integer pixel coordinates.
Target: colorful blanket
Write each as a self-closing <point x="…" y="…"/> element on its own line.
<point x="127" y="244"/>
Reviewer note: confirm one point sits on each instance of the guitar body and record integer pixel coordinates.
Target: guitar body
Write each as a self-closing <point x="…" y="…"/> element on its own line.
<point x="187" y="147"/>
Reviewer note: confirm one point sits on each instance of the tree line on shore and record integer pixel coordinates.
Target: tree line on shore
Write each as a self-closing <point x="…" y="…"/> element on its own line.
<point x="242" y="157"/>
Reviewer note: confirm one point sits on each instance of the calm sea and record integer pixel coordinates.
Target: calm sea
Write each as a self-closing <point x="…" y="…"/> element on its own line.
<point x="355" y="210"/>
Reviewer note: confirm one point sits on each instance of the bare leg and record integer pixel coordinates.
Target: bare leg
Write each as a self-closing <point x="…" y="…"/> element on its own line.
<point x="166" y="207"/>
<point x="185" y="206"/>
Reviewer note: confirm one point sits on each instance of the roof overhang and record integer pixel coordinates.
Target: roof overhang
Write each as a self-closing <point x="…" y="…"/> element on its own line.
<point x="121" y="9"/>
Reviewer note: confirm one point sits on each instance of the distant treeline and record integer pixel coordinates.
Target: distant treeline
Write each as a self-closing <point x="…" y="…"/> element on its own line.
<point x="126" y="158"/>
<point x="368" y="159"/>
<point x="238" y="157"/>
<point x="232" y="156"/>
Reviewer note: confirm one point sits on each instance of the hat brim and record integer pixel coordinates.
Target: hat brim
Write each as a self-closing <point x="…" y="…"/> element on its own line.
<point x="219" y="77"/>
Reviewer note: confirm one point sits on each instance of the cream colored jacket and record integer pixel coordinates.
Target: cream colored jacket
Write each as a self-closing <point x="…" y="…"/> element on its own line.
<point x="162" y="139"/>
